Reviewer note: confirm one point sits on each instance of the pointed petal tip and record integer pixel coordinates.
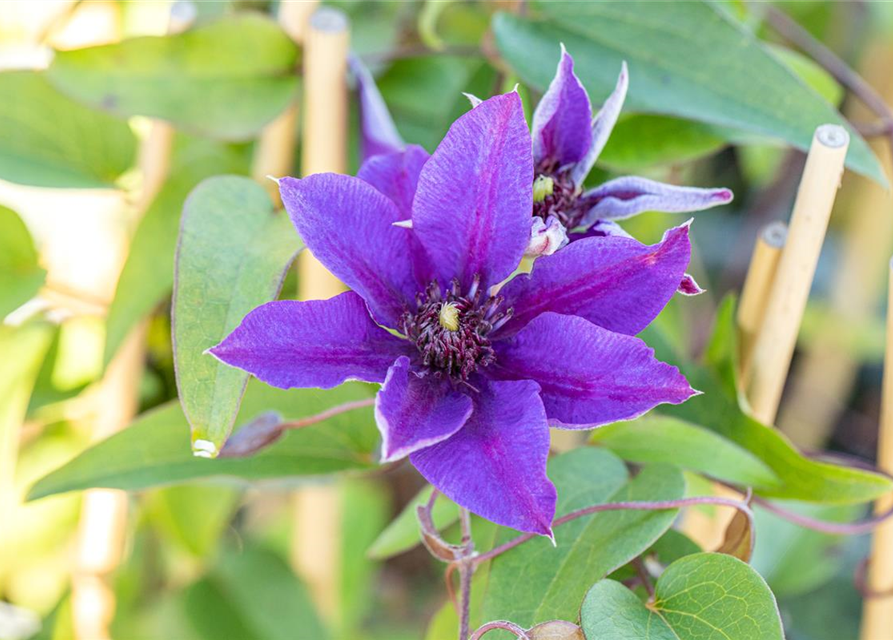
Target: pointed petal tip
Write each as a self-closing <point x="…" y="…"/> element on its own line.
<point x="689" y="286"/>
<point x="274" y="179"/>
<point x="723" y="196"/>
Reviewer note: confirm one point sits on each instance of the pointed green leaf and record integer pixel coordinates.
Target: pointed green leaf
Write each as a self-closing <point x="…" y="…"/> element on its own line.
<point x="226" y="79"/>
<point x="656" y="438"/>
<point x="705" y="596"/>
<point x="232" y="255"/>
<point x="20" y="274"/>
<point x="686" y="59"/>
<point x="535" y="582"/>
<point x="49" y="140"/>
<point x="154" y="450"/>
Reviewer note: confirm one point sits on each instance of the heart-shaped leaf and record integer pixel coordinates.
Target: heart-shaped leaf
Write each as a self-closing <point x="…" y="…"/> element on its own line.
<point x="232" y="255"/>
<point x="700" y="597"/>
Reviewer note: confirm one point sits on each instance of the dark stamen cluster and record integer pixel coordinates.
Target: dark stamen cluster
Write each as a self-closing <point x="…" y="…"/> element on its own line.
<point x="453" y="341"/>
<point x="563" y="201"/>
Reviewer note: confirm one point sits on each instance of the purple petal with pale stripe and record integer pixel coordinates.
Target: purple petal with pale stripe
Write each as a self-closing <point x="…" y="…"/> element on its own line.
<point x="414" y="412"/>
<point x="472" y="206"/>
<point x="617" y="283"/>
<point x="348" y="225"/>
<point x="378" y="132"/>
<point x="318" y="343"/>
<point x="602" y="126"/>
<point x="589" y="376"/>
<point x="495" y="465"/>
<point x="562" y="122"/>
<point x="631" y="195"/>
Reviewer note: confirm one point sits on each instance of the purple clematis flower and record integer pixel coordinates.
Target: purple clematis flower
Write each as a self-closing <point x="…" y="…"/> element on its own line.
<point x="567" y="141"/>
<point x="471" y="377"/>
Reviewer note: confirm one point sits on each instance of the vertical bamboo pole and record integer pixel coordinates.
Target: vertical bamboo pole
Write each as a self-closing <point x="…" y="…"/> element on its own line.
<point x="316" y="544"/>
<point x="877" y="614"/>
<point x="774" y="346"/>
<point x="102" y="525"/>
<point x="757" y="285"/>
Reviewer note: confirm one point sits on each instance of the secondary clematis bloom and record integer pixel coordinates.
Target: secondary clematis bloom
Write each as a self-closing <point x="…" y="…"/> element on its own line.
<point x="567" y="141"/>
<point x="471" y="378"/>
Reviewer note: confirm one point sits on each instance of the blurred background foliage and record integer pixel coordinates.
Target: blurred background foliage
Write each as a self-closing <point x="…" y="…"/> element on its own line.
<point x="209" y="559"/>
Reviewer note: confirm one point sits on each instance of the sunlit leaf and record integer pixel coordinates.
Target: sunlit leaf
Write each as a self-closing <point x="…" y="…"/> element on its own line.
<point x="20" y="274"/>
<point x="49" y="140"/>
<point x="700" y="597"/>
<point x="154" y="450"/>
<point x="232" y="254"/>
<point x="686" y="59"/>
<point x="226" y="79"/>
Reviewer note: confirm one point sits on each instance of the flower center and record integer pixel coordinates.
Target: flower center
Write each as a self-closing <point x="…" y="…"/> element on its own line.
<point x="555" y="195"/>
<point x="451" y="328"/>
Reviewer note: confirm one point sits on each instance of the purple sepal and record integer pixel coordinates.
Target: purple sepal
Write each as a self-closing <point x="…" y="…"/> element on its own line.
<point x="318" y="343"/>
<point x="602" y="126"/>
<point x="589" y="376"/>
<point x="631" y="195"/>
<point x="689" y="286"/>
<point x="495" y="465"/>
<point x="378" y="133"/>
<point x="413" y="411"/>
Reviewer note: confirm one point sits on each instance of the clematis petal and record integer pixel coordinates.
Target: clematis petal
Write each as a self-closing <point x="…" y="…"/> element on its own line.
<point x="562" y="121"/>
<point x="630" y="195"/>
<point x="396" y="175"/>
<point x="600" y="229"/>
<point x="414" y="412"/>
<point x="589" y="376"/>
<point x="689" y="286"/>
<point x="495" y="465"/>
<point x="378" y="132"/>
<point x="472" y="206"/>
<point x="602" y="125"/>
<point x="617" y="283"/>
<point x="348" y="225"/>
<point x="319" y="343"/>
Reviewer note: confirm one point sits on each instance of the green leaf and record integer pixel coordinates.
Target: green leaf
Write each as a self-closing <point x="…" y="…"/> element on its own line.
<point x="402" y="534"/>
<point x="148" y="274"/>
<point x="686" y="59"/>
<point x="810" y="72"/>
<point x="232" y="255"/>
<point x="154" y="450"/>
<point x="535" y="582"/>
<point x="719" y="410"/>
<point x="225" y="80"/>
<point x="656" y="438"/>
<point x="49" y="140"/>
<point x="193" y="516"/>
<point x="267" y="596"/>
<point x="705" y="596"/>
<point x="640" y="141"/>
<point x="20" y="274"/>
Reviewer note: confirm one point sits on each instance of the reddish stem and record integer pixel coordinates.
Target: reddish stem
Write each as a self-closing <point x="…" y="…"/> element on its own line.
<point x="505" y="625"/>
<point x="328" y="413"/>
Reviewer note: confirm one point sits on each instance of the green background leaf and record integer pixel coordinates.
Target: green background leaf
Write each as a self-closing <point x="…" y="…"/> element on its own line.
<point x="535" y="582"/>
<point x="686" y="59"/>
<point x="225" y="80"/>
<point x="154" y="450"/>
<point x="49" y="140"/>
<point x="402" y="534"/>
<point x="20" y="274"/>
<point x="232" y="255"/>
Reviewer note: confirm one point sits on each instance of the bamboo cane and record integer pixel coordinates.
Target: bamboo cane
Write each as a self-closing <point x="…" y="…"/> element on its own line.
<point x="774" y="346"/>
<point x="757" y="286"/>
<point x="103" y="521"/>
<point x="316" y="544"/>
<point x="877" y="616"/>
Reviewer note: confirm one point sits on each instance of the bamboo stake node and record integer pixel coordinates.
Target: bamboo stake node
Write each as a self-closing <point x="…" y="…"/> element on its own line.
<point x="775" y="343"/>
<point x="877" y="613"/>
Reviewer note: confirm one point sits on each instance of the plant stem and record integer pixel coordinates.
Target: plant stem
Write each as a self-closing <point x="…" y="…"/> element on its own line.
<point x="466" y="572"/>
<point x="328" y="413"/>
<point x="500" y="624"/>
<point x="661" y="505"/>
<point x="834" y="528"/>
